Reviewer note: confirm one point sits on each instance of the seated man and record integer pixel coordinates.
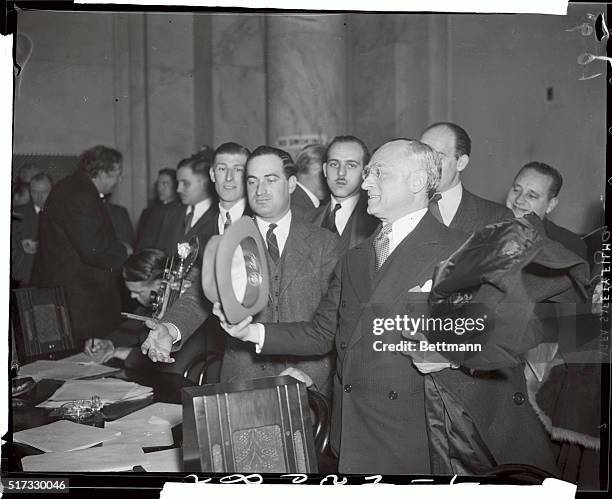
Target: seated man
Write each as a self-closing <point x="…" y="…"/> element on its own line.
<point x="536" y="189"/>
<point x="142" y="273"/>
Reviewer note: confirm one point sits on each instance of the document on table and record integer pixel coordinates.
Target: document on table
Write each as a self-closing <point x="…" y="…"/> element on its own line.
<point x="113" y="458"/>
<point x="109" y="390"/>
<point x="170" y="460"/>
<point x="63" y="436"/>
<point x="172" y="413"/>
<point x="58" y="369"/>
<point x="154" y="432"/>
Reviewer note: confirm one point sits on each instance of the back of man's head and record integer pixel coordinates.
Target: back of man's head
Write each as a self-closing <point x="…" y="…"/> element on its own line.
<point x="463" y="143"/>
<point x="99" y="159"/>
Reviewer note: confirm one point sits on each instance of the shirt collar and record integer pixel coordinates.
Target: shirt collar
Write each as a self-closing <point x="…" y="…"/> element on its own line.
<point x="348" y="205"/>
<point x="449" y="202"/>
<point x="235" y="211"/>
<point x="283" y="224"/>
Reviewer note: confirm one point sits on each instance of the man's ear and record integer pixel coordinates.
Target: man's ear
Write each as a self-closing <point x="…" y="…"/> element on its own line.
<point x="292" y="183"/>
<point x="212" y="175"/>
<point x="462" y="162"/>
<point x="325" y="169"/>
<point x="552" y="204"/>
<point x="418" y="181"/>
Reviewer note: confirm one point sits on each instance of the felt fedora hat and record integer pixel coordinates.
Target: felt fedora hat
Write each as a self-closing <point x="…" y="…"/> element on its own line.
<point x="223" y="272"/>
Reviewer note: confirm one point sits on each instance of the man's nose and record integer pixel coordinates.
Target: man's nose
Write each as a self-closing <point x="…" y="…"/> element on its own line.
<point x="342" y="171"/>
<point x="261" y="188"/>
<point x="229" y="175"/>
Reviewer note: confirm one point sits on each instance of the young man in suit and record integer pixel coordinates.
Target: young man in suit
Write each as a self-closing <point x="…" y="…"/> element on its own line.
<point x="24" y="232"/>
<point x="190" y="218"/>
<point x="301" y="258"/>
<point x="453" y="204"/>
<point x="78" y="246"/>
<point x="536" y="189"/>
<point x="346" y="212"/>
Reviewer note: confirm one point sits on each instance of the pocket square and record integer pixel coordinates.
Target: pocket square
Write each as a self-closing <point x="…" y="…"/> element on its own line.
<point x="425" y="288"/>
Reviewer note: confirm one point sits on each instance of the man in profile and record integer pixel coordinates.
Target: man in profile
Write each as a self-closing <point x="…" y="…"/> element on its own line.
<point x="78" y="247"/>
<point x="346" y="212"/>
<point x="453" y="204"/>
<point x="535" y="189"/>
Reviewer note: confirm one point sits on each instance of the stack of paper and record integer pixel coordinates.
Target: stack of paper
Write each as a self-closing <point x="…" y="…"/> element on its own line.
<point x="59" y="369"/>
<point x="115" y="458"/>
<point x="109" y="390"/>
<point x="172" y="413"/>
<point x="83" y="358"/>
<point x="63" y="436"/>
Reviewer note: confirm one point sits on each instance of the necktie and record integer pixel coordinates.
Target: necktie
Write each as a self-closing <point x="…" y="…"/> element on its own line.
<point x="434" y="207"/>
<point x="188" y="218"/>
<point x="330" y="220"/>
<point x="272" y="243"/>
<point x="381" y="246"/>
<point x="228" y="221"/>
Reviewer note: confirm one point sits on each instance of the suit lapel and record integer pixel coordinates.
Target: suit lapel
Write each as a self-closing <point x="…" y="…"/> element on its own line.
<point x="296" y="251"/>
<point x="465" y="210"/>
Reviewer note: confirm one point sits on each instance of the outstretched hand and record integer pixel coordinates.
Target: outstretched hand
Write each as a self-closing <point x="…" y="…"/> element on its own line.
<point x="158" y="344"/>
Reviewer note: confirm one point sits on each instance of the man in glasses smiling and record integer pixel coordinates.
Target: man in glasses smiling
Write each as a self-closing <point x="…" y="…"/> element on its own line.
<point x="345" y="213"/>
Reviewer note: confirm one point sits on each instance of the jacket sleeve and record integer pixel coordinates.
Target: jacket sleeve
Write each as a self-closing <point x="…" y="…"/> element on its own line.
<point x="95" y="244"/>
<point x="308" y="338"/>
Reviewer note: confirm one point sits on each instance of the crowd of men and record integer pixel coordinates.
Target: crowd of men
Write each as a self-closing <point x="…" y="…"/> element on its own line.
<point x="347" y="231"/>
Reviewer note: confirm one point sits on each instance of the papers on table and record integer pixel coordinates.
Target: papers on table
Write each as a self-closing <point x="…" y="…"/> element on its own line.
<point x="113" y="458"/>
<point x="154" y="432"/>
<point x="63" y="436"/>
<point x="172" y="413"/>
<point x="59" y="369"/>
<point x="109" y="390"/>
<point x="83" y="358"/>
<point x="164" y="461"/>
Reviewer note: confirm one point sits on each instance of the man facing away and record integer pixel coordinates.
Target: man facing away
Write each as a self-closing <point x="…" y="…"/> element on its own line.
<point x="79" y="249"/>
<point x="453" y="204"/>
<point x="346" y="212"/>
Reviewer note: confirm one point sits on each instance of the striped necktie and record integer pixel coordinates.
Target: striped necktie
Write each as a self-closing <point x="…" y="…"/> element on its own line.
<point x="189" y="218"/>
<point x="228" y="221"/>
<point x="330" y="220"/>
<point x="434" y="207"/>
<point x="272" y="243"/>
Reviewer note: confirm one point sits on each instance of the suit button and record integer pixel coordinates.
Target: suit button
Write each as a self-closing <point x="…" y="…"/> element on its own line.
<point x="518" y="398"/>
<point x="392" y="395"/>
<point x="263" y="367"/>
<point x="348" y="388"/>
<point x="276" y="294"/>
<point x="342" y="345"/>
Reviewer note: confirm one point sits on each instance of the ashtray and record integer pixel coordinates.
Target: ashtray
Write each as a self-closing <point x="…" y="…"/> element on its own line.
<point x="81" y="411"/>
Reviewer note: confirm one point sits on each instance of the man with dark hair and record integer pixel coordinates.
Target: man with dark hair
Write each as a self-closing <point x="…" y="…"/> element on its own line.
<point x="311" y="189"/>
<point x="301" y="258"/>
<point x="189" y="219"/>
<point x="152" y="217"/>
<point x="24" y="231"/>
<point x="346" y="212"/>
<point x="535" y="189"/>
<point x="78" y="247"/>
<point x="453" y="204"/>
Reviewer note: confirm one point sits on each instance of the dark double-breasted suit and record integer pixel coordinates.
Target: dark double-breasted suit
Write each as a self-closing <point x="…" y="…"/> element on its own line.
<point x="297" y="285"/>
<point x="475" y="212"/>
<point x="360" y="224"/>
<point x="79" y="250"/>
<point x="378" y="420"/>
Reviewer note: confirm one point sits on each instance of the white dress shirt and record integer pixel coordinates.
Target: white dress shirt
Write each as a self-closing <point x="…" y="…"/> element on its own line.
<point x="404" y="226"/>
<point x="449" y="203"/>
<point x="235" y="212"/>
<point x="315" y="200"/>
<point x="281" y="231"/>
<point x="345" y="211"/>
